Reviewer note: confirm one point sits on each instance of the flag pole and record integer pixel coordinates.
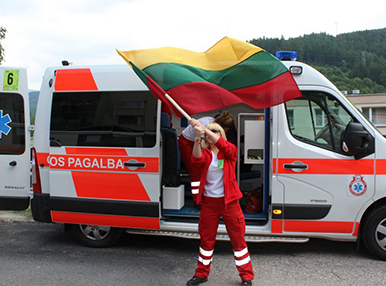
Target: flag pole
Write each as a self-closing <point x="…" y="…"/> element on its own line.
<point x="175" y="104"/>
<point x="181" y="110"/>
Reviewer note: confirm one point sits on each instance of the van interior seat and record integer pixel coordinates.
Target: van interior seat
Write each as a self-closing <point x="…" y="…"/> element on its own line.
<point x="171" y="161"/>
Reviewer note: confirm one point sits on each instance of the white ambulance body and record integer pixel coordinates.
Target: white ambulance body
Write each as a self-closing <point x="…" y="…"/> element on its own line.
<point x="106" y="159"/>
<point x="14" y="139"/>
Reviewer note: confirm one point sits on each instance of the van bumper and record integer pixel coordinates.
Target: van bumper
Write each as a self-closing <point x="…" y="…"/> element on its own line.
<point x="40" y="208"/>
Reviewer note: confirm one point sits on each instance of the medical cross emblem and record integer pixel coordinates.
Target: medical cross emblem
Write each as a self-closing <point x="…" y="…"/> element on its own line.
<point x="4" y="120"/>
<point x="358" y="186"/>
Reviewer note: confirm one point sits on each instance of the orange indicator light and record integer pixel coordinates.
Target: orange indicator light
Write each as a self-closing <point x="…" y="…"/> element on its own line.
<point x="277" y="212"/>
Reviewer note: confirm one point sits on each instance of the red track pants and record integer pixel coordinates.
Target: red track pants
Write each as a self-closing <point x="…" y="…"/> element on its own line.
<point x="211" y="211"/>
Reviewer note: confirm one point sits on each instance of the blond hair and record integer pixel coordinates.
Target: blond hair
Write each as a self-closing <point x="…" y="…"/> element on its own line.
<point x="210" y="126"/>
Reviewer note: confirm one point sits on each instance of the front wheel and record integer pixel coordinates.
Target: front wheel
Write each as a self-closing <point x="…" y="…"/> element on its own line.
<point x="374" y="232"/>
<point x="97" y="235"/>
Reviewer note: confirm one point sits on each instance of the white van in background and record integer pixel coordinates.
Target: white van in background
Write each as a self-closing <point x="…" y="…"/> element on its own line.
<point x="14" y="139"/>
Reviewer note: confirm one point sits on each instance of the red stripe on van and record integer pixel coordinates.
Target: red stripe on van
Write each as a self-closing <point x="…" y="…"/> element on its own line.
<point x="99" y="186"/>
<point x="319" y="226"/>
<point x="327" y="166"/>
<point x="43" y="159"/>
<point x="102" y="163"/>
<point x="74" y="79"/>
<point x="381" y="166"/>
<point x="107" y="220"/>
<point x="277" y="226"/>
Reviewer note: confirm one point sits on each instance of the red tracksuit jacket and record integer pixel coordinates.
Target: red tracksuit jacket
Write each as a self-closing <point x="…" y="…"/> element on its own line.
<point x="228" y="153"/>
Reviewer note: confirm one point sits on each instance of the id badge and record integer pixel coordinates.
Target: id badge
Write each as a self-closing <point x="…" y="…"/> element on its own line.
<point x="220" y="164"/>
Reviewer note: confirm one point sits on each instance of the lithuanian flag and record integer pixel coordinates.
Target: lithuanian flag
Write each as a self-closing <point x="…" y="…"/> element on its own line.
<point x="231" y="72"/>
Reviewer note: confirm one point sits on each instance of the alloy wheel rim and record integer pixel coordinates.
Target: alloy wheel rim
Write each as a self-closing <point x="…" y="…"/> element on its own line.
<point x="380" y="234"/>
<point x="95" y="232"/>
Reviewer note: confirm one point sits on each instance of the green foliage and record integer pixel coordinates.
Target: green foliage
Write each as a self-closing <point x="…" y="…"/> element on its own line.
<point x="2" y="36"/>
<point x="344" y="82"/>
<point x="351" y="61"/>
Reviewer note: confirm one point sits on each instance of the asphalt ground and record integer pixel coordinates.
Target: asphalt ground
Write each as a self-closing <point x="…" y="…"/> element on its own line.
<point x="33" y="253"/>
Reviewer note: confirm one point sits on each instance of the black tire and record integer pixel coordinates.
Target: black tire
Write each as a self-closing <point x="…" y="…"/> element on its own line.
<point x="374" y="232"/>
<point x="97" y="236"/>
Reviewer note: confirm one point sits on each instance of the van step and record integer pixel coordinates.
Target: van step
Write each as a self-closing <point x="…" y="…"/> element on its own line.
<point x="220" y="237"/>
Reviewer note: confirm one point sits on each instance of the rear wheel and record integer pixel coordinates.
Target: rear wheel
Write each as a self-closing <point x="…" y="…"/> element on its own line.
<point x="97" y="235"/>
<point x="374" y="232"/>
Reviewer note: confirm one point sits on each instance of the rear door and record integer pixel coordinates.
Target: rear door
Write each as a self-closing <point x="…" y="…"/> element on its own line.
<point x="104" y="150"/>
<point x="14" y="139"/>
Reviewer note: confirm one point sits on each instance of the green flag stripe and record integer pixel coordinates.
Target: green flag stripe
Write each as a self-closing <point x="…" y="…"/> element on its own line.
<point x="140" y="73"/>
<point x="259" y="68"/>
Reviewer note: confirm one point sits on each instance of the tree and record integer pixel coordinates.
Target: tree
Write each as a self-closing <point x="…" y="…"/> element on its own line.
<point x="2" y="36"/>
<point x="359" y="54"/>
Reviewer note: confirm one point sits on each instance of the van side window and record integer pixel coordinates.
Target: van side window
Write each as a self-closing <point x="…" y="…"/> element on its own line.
<point x="109" y="119"/>
<point x="318" y="119"/>
<point x="12" y="137"/>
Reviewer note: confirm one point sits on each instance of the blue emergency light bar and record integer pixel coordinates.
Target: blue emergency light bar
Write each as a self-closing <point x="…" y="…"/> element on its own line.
<point x="287" y="55"/>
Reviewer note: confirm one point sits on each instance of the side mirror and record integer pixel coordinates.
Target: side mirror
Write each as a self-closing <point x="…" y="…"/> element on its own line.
<point x="357" y="141"/>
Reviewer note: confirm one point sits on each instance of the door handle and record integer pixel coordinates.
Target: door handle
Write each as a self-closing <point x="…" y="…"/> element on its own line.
<point x="13" y="163"/>
<point x="134" y="164"/>
<point x="296" y="166"/>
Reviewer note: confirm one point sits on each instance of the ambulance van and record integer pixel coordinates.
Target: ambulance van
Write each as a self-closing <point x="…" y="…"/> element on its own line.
<point x="106" y="160"/>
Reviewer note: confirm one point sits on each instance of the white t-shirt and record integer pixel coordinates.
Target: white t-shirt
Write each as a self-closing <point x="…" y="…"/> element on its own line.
<point x="189" y="132"/>
<point x="214" y="186"/>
